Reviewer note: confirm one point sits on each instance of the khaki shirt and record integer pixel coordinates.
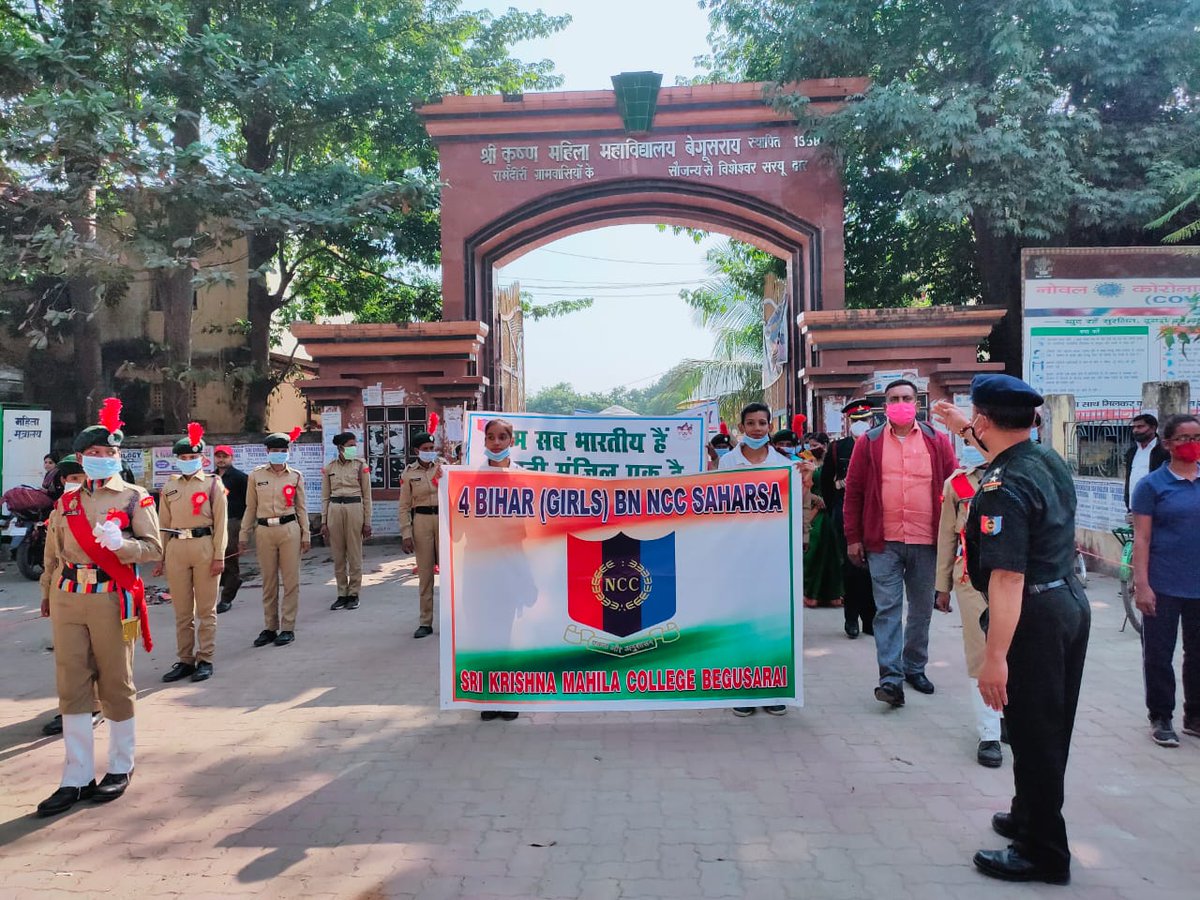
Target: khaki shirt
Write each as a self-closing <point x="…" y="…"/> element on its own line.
<point x="265" y="499"/>
<point x="177" y="510"/>
<point x="950" y="527"/>
<point x="346" y="478"/>
<point x="417" y="489"/>
<point x="142" y="541"/>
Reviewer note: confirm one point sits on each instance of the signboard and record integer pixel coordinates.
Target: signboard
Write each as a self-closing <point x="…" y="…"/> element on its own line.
<point x="1101" y="503"/>
<point x="595" y="445"/>
<point x="881" y="380"/>
<point x="305" y="458"/>
<point x="135" y="461"/>
<point x="26" y="443"/>
<point x="568" y="593"/>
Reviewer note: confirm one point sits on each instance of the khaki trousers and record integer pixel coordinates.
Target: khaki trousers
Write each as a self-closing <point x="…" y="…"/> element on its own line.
<point x="346" y="539"/>
<point x="279" y="555"/>
<point x="971" y="606"/>
<point x="194" y="595"/>
<point x="90" y="655"/>
<point x="425" y="543"/>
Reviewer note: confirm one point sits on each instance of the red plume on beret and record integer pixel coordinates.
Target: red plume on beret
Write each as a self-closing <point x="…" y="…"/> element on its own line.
<point x="724" y="429"/>
<point x="195" y="433"/>
<point x="295" y="433"/>
<point x="798" y="421"/>
<point x="433" y="423"/>
<point x="110" y="414"/>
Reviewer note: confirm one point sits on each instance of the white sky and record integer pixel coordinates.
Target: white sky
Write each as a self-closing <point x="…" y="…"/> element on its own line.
<point x="638" y="327"/>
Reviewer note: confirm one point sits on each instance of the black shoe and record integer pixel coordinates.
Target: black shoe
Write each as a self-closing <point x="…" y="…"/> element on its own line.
<point x="920" y="683"/>
<point x="352" y="602"/>
<point x="224" y="606"/>
<point x="54" y="726"/>
<point x="869" y="630"/>
<point x="489" y="714"/>
<point x="285" y="638"/>
<point x="1003" y="825"/>
<point x="1004" y="731"/>
<point x="178" y="672"/>
<point x="989" y="754"/>
<point x="264" y="637"/>
<point x="1162" y="733"/>
<point x="892" y="694"/>
<point x="1010" y="865"/>
<point x="777" y="710"/>
<point x="1191" y="725"/>
<point x="423" y="631"/>
<point x="111" y="787"/>
<point x="508" y="715"/>
<point x="743" y="711"/>
<point x="204" y="671"/>
<point x="339" y="603"/>
<point x="64" y="798"/>
<point x="852" y="630"/>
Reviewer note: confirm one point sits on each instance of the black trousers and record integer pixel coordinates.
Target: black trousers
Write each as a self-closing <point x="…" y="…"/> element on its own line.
<point x="858" y="593"/>
<point x="231" y="577"/>
<point x="1158" y="651"/>
<point x="1045" y="667"/>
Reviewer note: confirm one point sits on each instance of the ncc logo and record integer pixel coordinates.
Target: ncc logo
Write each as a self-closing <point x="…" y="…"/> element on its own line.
<point x="622" y="585"/>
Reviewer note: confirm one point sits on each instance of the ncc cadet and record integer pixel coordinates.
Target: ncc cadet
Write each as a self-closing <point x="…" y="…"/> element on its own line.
<point x="275" y="510"/>
<point x="192" y="513"/>
<point x="346" y="517"/>
<point x="1020" y="543"/>
<point x="95" y="540"/>
<point x="419" y="521"/>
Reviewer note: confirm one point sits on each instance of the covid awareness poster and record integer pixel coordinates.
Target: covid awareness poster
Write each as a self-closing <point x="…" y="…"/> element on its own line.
<point x="573" y="593"/>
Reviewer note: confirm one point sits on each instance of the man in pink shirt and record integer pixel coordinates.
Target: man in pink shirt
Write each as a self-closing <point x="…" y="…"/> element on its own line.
<point x="893" y="501"/>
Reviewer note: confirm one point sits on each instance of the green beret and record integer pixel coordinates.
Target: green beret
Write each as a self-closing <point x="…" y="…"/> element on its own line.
<point x="345" y="437"/>
<point x="277" y="441"/>
<point x="97" y="436"/>
<point x="69" y="465"/>
<point x="422" y="437"/>
<point x="785" y="434"/>
<point x="184" y="445"/>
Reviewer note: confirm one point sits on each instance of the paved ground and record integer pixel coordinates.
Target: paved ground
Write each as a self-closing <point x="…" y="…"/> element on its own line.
<point x="325" y="769"/>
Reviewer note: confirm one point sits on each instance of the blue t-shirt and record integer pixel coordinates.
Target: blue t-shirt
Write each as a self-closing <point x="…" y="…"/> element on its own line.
<point x="1173" y="504"/>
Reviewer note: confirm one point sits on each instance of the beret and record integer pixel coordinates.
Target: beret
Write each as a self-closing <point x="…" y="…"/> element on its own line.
<point x="69" y="465"/>
<point x="184" y="445"/>
<point x="857" y="408"/>
<point x="277" y="441"/>
<point x="421" y="437"/>
<point x="784" y="434"/>
<point x="97" y="436"/>
<point x="1003" y="390"/>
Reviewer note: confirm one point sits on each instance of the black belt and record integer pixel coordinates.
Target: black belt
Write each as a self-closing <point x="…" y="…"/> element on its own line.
<point x="278" y="520"/>
<point x="345" y="499"/>
<point x="426" y="510"/>
<point x="1048" y="586"/>
<point x="84" y="573"/>
<point x="187" y="533"/>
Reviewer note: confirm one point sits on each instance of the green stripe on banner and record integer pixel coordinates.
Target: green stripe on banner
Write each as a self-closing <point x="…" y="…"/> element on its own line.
<point x="1105" y="330"/>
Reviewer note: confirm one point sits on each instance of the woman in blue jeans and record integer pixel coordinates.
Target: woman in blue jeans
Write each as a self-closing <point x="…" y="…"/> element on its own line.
<point x="1166" y="520"/>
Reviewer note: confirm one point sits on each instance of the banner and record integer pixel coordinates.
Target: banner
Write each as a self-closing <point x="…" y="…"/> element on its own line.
<point x="26" y="441"/>
<point x="305" y="458"/>
<point x="595" y="445"/>
<point x="568" y="593"/>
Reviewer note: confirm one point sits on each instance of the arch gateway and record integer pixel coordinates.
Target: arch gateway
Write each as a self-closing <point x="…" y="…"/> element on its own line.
<point x="521" y="171"/>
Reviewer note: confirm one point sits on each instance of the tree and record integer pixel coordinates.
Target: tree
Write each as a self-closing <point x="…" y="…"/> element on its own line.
<point x="1032" y="122"/>
<point x="662" y="398"/>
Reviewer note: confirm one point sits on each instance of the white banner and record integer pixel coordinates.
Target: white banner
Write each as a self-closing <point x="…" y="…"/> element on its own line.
<point x="305" y="458"/>
<point x="26" y="443"/>
<point x="605" y="446"/>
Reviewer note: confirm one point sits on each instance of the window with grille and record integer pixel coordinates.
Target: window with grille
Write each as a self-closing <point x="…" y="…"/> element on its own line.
<point x="156" y="398"/>
<point x="390" y="430"/>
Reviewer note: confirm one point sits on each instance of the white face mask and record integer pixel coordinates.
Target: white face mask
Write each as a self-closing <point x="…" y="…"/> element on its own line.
<point x="70" y="487"/>
<point x="858" y="429"/>
<point x="427" y="456"/>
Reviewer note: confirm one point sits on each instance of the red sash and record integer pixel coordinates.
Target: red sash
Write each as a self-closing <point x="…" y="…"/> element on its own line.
<point x="965" y="490"/>
<point x="124" y="575"/>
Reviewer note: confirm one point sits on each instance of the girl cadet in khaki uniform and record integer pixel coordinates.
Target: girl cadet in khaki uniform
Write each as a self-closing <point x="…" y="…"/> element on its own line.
<point x="275" y="510"/>
<point x="419" y="521"/>
<point x="346" y="517"/>
<point x="95" y="538"/>
<point x="192" y="513"/>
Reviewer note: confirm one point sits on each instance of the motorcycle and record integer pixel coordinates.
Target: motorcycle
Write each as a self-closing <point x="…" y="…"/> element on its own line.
<point x="31" y="551"/>
<point x="25" y="528"/>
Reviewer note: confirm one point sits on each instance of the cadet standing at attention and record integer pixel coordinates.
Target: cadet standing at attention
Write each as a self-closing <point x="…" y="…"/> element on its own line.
<point x="95" y="538"/>
<point x="419" y="521"/>
<point x="275" y="510"/>
<point x="1020" y="542"/>
<point x="346" y="517"/>
<point x="192" y="513"/>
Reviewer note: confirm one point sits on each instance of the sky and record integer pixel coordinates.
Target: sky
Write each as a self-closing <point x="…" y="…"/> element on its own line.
<point x="638" y="327"/>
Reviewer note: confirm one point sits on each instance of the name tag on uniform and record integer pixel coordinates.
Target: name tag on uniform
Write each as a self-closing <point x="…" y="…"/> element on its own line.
<point x="171" y="493"/>
<point x="262" y="483"/>
<point x="414" y="478"/>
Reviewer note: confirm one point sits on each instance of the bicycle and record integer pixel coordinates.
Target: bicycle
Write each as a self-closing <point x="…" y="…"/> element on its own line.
<point x="1133" y="615"/>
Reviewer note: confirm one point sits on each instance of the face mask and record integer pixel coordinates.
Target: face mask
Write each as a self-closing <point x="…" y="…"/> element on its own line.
<point x="858" y="429"/>
<point x="427" y="456"/>
<point x="756" y="443"/>
<point x="1189" y="452"/>
<point x="721" y="451"/>
<point x="1033" y="435"/>
<point x="189" y="466"/>
<point x="789" y="452"/>
<point x="277" y="457"/>
<point x="901" y="413"/>
<point x="70" y="487"/>
<point x="497" y="455"/>
<point x="99" y="468"/>
<point x="350" y="451"/>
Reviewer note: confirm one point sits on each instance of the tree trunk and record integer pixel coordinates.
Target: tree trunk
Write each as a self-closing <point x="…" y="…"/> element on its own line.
<point x="260" y="304"/>
<point x="85" y="331"/>
<point x="997" y="258"/>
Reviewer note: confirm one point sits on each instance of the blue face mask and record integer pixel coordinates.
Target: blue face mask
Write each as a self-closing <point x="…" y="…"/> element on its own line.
<point x="497" y="455"/>
<point x="98" y="468"/>
<point x="277" y="457"/>
<point x="189" y="466"/>
<point x="427" y="456"/>
<point x="721" y="451"/>
<point x="756" y="443"/>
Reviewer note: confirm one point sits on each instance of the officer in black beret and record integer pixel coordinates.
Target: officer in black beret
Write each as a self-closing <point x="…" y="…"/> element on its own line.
<point x="1020" y="539"/>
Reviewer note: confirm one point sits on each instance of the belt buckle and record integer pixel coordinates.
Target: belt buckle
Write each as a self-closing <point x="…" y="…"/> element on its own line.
<point x="184" y="534"/>
<point x="85" y="576"/>
<point x="273" y="520"/>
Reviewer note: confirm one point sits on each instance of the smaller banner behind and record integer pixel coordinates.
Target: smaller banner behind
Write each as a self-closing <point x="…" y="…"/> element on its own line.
<point x="605" y="446"/>
<point x="569" y="593"/>
<point x="26" y="443"/>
